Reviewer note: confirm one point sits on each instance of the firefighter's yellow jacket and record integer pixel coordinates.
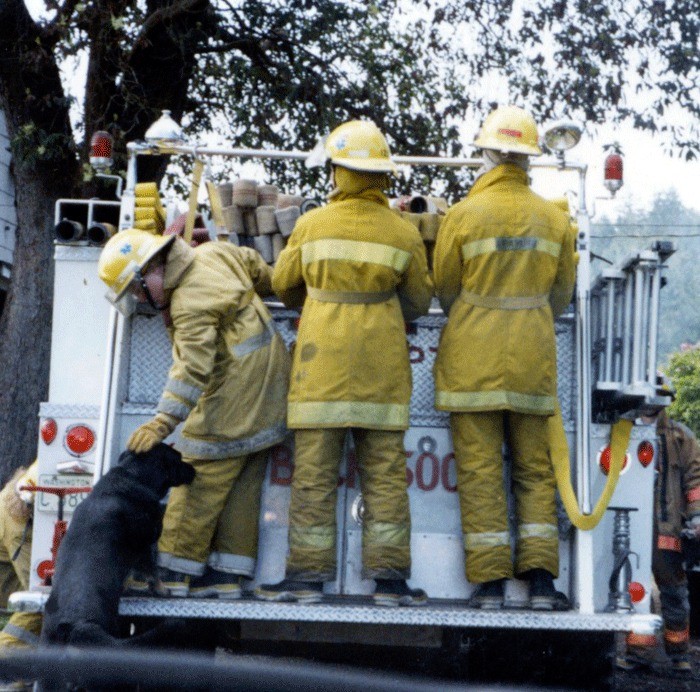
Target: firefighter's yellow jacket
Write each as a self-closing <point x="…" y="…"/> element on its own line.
<point x="364" y="271"/>
<point x="503" y="267"/>
<point x="230" y="369"/>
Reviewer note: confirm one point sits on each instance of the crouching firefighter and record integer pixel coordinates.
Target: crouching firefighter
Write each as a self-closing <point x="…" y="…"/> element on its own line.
<point x="228" y="383"/>
<point x="359" y="271"/>
<point x="16" y="510"/>
<point x="504" y="268"/>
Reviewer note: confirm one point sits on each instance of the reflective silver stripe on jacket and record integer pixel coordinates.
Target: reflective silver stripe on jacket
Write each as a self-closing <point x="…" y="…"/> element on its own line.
<point x="255" y="342"/>
<point x="206" y="449"/>
<point x="509" y="244"/>
<point x="183" y="390"/>
<point x="174" y="408"/>
<point x="355" y="251"/>
<point x="504" y="302"/>
<point x="353" y="297"/>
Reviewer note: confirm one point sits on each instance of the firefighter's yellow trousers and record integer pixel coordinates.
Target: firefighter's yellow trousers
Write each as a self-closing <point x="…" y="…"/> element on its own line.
<point x="386" y="526"/>
<point x="478" y="443"/>
<point x="22" y="629"/>
<point x="214" y="520"/>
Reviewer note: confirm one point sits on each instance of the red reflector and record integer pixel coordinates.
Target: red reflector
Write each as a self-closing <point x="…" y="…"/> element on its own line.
<point x="79" y="439"/>
<point x="637" y="591"/>
<point x="645" y="453"/>
<point x="295" y="323"/>
<point x="48" y="431"/>
<point x="604" y="459"/>
<point x="44" y="569"/>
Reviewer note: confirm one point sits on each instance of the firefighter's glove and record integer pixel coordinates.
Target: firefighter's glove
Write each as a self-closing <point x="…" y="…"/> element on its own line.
<point x="148" y="435"/>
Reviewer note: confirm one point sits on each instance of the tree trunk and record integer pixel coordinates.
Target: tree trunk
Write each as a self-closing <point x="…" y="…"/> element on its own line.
<point x="45" y="169"/>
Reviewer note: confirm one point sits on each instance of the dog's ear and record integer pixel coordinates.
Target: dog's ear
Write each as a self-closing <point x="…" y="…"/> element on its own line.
<point x="183" y="473"/>
<point x="169" y="454"/>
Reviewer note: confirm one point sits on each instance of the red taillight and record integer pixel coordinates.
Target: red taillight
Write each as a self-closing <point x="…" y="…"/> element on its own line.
<point x="101" y="150"/>
<point x="604" y="461"/>
<point x="645" y="453"/>
<point x="48" y="431"/>
<point x="636" y="591"/>
<point x="79" y="440"/>
<point x="613" y="172"/>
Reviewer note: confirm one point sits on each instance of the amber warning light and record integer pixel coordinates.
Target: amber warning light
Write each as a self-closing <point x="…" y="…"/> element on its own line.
<point x="101" y="150"/>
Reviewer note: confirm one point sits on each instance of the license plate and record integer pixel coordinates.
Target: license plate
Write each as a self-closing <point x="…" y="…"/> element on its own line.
<point x="46" y="502"/>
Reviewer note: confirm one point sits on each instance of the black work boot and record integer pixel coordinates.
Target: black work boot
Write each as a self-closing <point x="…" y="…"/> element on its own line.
<point x="680" y="663"/>
<point x="396" y="592"/>
<point x="216" y="584"/>
<point x="488" y="595"/>
<point x="173" y="583"/>
<point x="291" y="590"/>
<point x="543" y="595"/>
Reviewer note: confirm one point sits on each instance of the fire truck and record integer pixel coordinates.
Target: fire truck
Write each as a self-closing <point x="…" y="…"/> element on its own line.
<point x="107" y="373"/>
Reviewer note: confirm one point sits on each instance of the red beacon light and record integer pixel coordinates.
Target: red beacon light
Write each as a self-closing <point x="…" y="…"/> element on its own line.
<point x="79" y="440"/>
<point x="613" y="171"/>
<point x="101" y="150"/>
<point x="48" y="431"/>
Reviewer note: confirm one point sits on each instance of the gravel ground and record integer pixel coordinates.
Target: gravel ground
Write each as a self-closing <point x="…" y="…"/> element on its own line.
<point x="661" y="676"/>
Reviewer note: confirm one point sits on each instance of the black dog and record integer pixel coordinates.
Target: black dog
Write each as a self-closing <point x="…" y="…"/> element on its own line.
<point x="111" y="533"/>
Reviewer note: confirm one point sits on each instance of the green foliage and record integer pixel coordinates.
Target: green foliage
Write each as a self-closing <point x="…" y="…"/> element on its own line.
<point x="280" y="74"/>
<point x="684" y="372"/>
<point x="33" y="145"/>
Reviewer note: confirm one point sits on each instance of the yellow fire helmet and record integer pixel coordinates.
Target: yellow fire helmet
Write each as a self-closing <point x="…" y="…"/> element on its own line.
<point x="359" y="145"/>
<point x="510" y="130"/>
<point x="122" y="260"/>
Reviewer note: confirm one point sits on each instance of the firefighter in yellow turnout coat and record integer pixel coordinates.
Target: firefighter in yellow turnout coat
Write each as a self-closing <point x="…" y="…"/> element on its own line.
<point x="228" y="383"/>
<point x="363" y="271"/>
<point x="503" y="268"/>
<point x="16" y="510"/>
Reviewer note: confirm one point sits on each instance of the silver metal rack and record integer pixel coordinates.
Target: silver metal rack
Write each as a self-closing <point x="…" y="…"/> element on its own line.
<point x="624" y="331"/>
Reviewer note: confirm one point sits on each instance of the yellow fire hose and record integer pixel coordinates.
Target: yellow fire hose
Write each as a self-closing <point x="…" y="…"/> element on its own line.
<point x="559" y="452"/>
<point x="197" y="171"/>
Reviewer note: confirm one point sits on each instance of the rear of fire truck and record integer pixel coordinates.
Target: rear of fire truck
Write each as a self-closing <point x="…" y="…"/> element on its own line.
<point x="108" y="371"/>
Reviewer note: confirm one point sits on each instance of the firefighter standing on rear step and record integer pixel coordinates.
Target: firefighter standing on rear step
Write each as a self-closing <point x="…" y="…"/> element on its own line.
<point x="676" y="516"/>
<point x="16" y="510"/>
<point x="360" y="272"/>
<point x="504" y="268"/>
<point x="228" y="383"/>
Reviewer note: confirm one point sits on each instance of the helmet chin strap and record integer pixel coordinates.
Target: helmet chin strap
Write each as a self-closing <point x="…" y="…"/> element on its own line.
<point x="149" y="296"/>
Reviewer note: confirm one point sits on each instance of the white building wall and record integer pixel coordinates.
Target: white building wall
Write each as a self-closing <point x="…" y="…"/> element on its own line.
<point x="8" y="213"/>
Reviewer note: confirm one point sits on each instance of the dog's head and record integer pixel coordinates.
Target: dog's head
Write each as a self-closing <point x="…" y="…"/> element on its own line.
<point x="160" y="468"/>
